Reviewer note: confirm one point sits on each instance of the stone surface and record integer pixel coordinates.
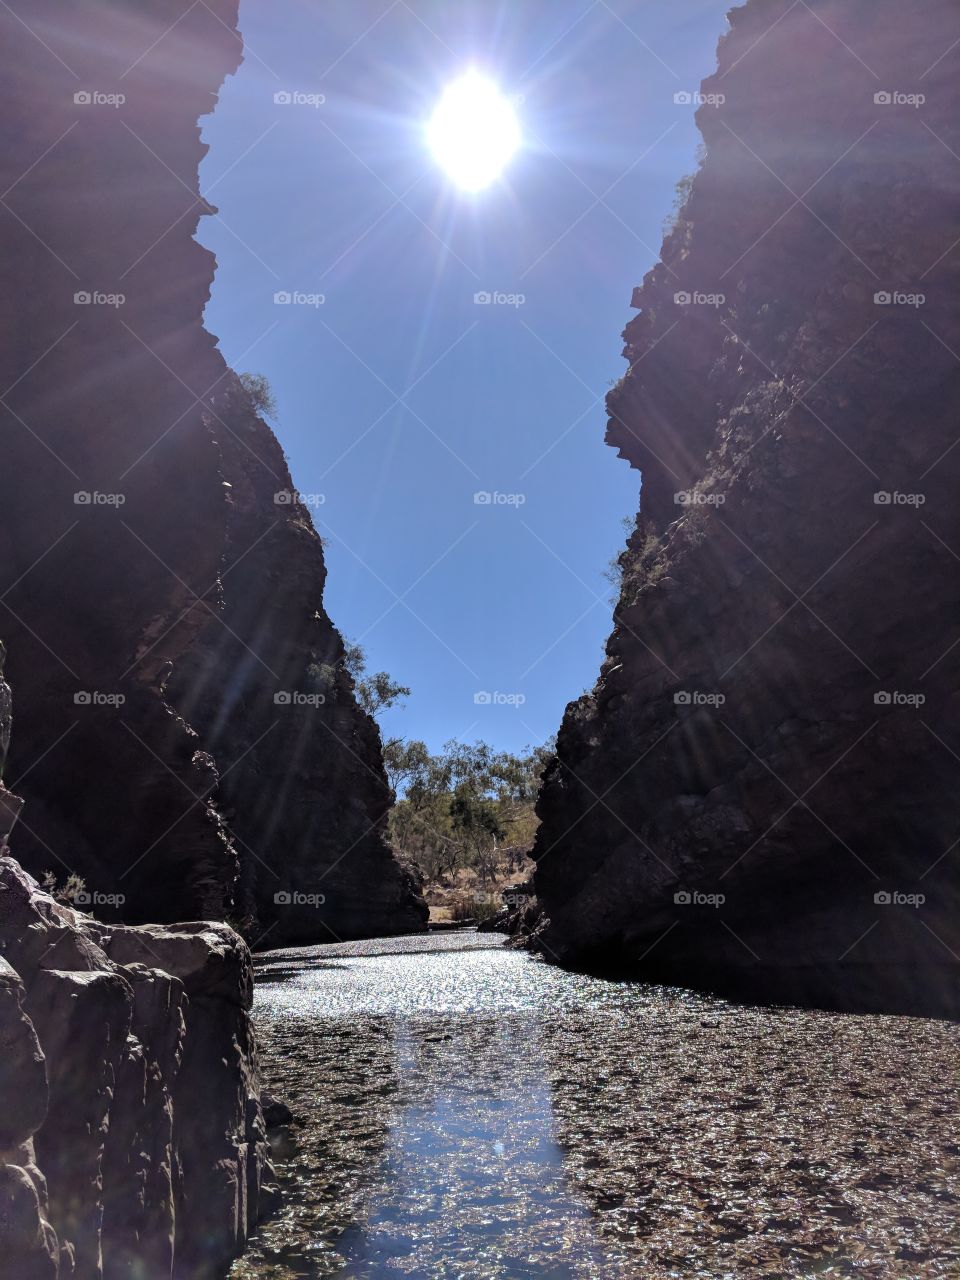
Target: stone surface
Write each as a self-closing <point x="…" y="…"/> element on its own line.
<point x="181" y="585"/>
<point x="757" y="730"/>
<point x="132" y="1139"/>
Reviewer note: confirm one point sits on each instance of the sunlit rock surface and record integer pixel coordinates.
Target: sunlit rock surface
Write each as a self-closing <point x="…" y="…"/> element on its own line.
<point x="464" y="1110"/>
<point x="758" y="795"/>
<point x="187" y="733"/>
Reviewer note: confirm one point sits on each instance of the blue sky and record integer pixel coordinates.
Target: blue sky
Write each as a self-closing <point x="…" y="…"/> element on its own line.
<point x="400" y="397"/>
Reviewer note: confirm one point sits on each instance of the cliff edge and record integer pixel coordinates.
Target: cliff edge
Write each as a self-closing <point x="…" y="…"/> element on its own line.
<point x="188" y="738"/>
<point x="757" y="795"/>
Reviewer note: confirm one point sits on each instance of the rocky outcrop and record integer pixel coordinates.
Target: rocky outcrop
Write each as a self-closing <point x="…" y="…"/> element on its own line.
<point x="132" y="1140"/>
<point x="757" y="795"/>
<point x="188" y="739"/>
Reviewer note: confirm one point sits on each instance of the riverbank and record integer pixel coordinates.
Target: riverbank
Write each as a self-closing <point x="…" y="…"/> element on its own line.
<point x="468" y="1111"/>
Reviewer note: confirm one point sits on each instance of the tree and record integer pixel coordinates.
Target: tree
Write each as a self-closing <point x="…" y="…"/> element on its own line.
<point x="377" y="692"/>
<point x="260" y="393"/>
<point x="405" y="762"/>
<point x="477" y="819"/>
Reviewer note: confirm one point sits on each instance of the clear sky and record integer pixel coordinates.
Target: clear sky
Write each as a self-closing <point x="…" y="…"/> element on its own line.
<point x="400" y="397"/>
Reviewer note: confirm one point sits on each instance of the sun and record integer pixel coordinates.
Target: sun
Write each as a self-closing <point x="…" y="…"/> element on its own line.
<point x="473" y="132"/>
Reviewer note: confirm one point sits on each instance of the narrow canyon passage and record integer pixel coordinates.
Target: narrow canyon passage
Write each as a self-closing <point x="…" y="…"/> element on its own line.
<point x="462" y="1109"/>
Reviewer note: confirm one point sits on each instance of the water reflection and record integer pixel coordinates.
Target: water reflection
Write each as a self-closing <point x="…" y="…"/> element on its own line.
<point x="469" y="1112"/>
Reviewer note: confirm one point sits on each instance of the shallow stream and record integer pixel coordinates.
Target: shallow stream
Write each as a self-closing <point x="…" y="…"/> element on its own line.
<point x="464" y="1110"/>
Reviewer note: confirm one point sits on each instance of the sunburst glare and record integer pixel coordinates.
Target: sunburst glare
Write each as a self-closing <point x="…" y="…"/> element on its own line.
<point x="473" y="132"/>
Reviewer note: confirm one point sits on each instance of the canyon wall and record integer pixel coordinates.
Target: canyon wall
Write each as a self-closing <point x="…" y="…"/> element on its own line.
<point x="188" y="739"/>
<point x="758" y="795"/>
<point x="132" y="1139"/>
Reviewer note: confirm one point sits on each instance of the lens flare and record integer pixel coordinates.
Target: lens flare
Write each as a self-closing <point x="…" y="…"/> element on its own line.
<point x="473" y="132"/>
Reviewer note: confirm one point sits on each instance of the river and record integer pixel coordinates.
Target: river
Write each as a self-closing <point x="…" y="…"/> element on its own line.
<point x="465" y="1110"/>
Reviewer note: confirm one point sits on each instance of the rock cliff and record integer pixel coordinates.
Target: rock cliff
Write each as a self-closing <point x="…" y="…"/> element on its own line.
<point x="132" y="1140"/>
<point x="188" y="738"/>
<point x="758" y="794"/>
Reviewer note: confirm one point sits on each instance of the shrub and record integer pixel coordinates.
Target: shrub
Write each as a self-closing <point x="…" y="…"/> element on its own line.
<point x="259" y="393"/>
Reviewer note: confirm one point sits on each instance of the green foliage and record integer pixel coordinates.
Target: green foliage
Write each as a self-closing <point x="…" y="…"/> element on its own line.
<point x="377" y="692"/>
<point x="614" y="570"/>
<point x="68" y="891"/>
<point x="468" y="807"/>
<point x="681" y="194"/>
<point x="260" y="393"/>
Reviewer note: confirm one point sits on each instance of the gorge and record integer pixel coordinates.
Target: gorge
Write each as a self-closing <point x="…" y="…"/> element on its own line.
<point x="720" y="1038"/>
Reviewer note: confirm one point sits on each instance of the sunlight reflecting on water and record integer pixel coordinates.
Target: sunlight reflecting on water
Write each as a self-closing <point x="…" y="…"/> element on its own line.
<point x="466" y="1111"/>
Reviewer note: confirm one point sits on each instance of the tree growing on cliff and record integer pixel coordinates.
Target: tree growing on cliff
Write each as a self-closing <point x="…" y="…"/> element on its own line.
<point x="377" y="692"/>
<point x="260" y="393"/>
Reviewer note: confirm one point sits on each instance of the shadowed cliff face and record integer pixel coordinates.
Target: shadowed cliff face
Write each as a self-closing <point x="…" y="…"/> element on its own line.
<point x="758" y="793"/>
<point x="156" y="599"/>
<point x="132" y="1139"/>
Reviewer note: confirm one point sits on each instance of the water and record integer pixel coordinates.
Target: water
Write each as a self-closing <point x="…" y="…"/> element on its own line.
<point x="465" y="1111"/>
